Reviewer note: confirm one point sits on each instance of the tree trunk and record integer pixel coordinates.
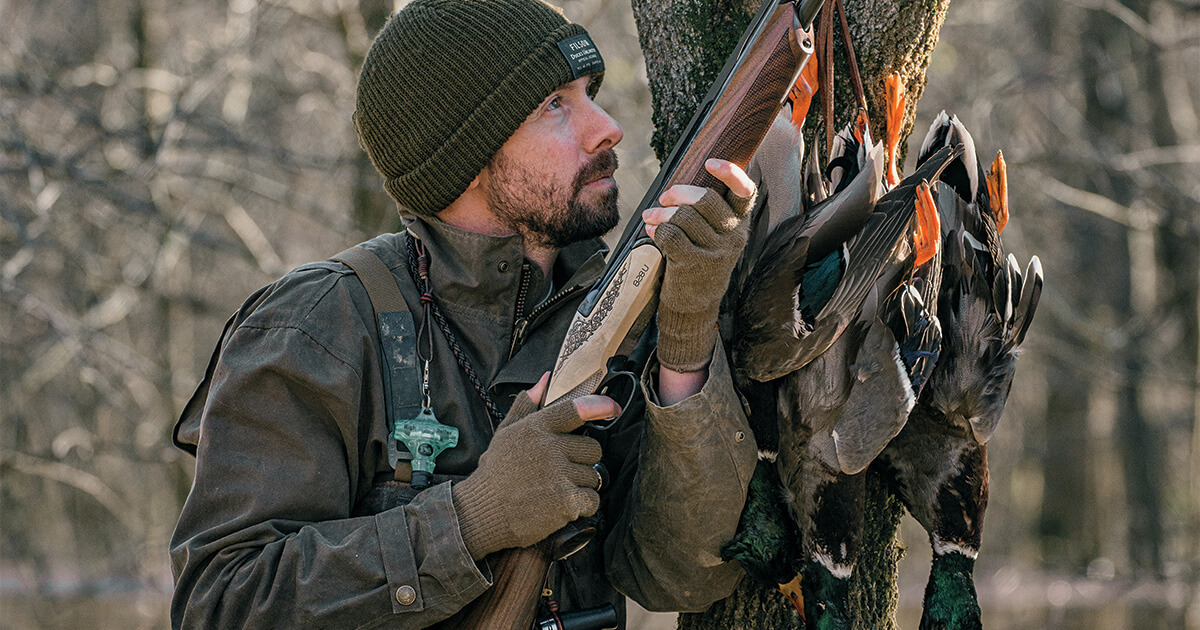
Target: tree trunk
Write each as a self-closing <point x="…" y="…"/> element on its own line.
<point x="685" y="43"/>
<point x="1116" y="96"/>
<point x="1065" y="523"/>
<point x="373" y="210"/>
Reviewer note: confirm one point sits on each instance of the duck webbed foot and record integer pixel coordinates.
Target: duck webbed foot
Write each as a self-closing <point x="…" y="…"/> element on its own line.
<point x="894" y="98"/>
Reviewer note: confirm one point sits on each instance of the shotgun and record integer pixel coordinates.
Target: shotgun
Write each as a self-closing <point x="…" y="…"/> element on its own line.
<point x="729" y="124"/>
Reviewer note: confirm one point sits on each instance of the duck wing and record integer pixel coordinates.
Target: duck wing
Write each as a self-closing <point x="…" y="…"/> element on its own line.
<point x="880" y="399"/>
<point x="795" y="271"/>
<point x="879" y="251"/>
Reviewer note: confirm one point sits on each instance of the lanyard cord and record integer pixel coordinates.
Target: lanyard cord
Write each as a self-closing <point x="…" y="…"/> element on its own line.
<point x="418" y="267"/>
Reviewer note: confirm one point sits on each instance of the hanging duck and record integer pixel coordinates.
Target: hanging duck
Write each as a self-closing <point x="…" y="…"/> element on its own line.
<point x="800" y="372"/>
<point x="938" y="463"/>
<point x="806" y="285"/>
<point x="767" y="545"/>
<point x="763" y="542"/>
<point x="838" y="411"/>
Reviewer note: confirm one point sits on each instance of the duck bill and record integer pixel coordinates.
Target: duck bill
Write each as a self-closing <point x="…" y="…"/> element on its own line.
<point x="997" y="183"/>
<point x="792" y="592"/>
<point x="925" y="240"/>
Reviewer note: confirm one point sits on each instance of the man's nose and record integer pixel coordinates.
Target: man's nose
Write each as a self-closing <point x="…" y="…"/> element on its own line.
<point x="603" y="131"/>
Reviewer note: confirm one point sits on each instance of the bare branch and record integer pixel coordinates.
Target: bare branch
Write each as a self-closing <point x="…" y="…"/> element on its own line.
<point x="252" y="236"/>
<point x="81" y="335"/>
<point x="1156" y="156"/>
<point x="1084" y="200"/>
<point x="76" y="478"/>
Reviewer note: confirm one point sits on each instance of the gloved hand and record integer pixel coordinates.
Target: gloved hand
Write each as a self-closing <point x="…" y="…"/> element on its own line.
<point x="701" y="239"/>
<point x="534" y="478"/>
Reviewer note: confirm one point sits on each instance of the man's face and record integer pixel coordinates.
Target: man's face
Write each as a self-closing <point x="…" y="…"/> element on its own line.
<point x="552" y="181"/>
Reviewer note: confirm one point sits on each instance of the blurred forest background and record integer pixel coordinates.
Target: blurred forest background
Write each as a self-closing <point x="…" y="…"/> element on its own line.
<point x="160" y="160"/>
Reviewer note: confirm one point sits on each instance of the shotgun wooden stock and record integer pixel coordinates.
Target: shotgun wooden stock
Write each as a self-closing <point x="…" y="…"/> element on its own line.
<point x="512" y="601"/>
<point x="729" y="124"/>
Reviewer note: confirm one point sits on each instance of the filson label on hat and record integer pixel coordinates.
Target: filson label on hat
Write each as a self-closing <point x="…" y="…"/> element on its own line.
<point x="582" y="55"/>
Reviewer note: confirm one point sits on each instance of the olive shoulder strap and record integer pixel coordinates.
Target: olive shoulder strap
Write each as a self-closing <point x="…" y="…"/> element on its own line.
<point x="397" y="338"/>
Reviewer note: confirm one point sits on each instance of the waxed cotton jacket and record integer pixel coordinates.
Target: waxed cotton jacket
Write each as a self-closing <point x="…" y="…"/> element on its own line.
<point x="289" y="432"/>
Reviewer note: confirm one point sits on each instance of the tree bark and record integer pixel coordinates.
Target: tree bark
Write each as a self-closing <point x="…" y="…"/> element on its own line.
<point x="685" y="43"/>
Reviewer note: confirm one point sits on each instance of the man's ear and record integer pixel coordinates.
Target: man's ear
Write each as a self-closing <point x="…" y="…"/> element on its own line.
<point x="475" y="182"/>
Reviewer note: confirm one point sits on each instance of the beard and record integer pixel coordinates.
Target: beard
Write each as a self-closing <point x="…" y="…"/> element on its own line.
<point x="551" y="213"/>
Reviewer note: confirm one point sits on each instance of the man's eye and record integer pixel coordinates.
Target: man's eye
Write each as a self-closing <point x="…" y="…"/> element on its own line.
<point x="553" y="104"/>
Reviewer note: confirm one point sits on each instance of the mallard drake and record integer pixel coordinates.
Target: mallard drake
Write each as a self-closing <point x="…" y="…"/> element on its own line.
<point x="767" y="543"/>
<point x="781" y="227"/>
<point x="991" y="303"/>
<point x="938" y="462"/>
<point x="831" y="412"/>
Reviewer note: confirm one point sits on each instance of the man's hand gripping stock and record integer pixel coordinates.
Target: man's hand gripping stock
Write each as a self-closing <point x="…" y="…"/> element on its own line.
<point x="536" y="476"/>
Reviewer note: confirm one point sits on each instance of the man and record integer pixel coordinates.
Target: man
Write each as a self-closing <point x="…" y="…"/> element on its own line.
<point x="479" y="116"/>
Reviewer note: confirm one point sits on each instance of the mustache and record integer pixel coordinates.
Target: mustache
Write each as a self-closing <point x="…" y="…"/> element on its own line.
<point x="602" y="166"/>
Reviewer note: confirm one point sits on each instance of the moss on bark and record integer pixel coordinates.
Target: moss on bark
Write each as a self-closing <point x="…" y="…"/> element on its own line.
<point x="685" y="44"/>
<point x="887" y="37"/>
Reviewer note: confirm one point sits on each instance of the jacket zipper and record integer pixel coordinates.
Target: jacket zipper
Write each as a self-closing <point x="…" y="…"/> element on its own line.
<point x="522" y="324"/>
<point x="521" y="320"/>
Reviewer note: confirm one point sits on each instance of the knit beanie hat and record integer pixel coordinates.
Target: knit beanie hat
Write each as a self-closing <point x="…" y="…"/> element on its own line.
<point x="447" y="82"/>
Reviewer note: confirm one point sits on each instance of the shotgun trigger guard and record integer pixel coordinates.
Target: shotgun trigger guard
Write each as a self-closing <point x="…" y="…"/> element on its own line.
<point x="620" y="384"/>
<point x="571" y="538"/>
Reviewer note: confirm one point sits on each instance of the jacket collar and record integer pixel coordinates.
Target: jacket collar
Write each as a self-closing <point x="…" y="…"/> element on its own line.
<point x="481" y="273"/>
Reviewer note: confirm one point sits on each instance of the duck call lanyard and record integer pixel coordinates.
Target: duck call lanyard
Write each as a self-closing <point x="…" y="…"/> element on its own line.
<point x="418" y="267"/>
<point x="421" y="433"/>
<point x="409" y="412"/>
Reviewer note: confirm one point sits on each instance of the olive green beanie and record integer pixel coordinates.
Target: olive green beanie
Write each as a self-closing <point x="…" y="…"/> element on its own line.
<point x="447" y="82"/>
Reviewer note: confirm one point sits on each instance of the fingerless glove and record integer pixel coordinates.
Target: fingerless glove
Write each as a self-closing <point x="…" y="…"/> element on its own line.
<point x="701" y="244"/>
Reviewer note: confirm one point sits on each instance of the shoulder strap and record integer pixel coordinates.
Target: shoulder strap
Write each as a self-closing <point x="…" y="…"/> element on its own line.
<point x="375" y="276"/>
<point x="397" y="338"/>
